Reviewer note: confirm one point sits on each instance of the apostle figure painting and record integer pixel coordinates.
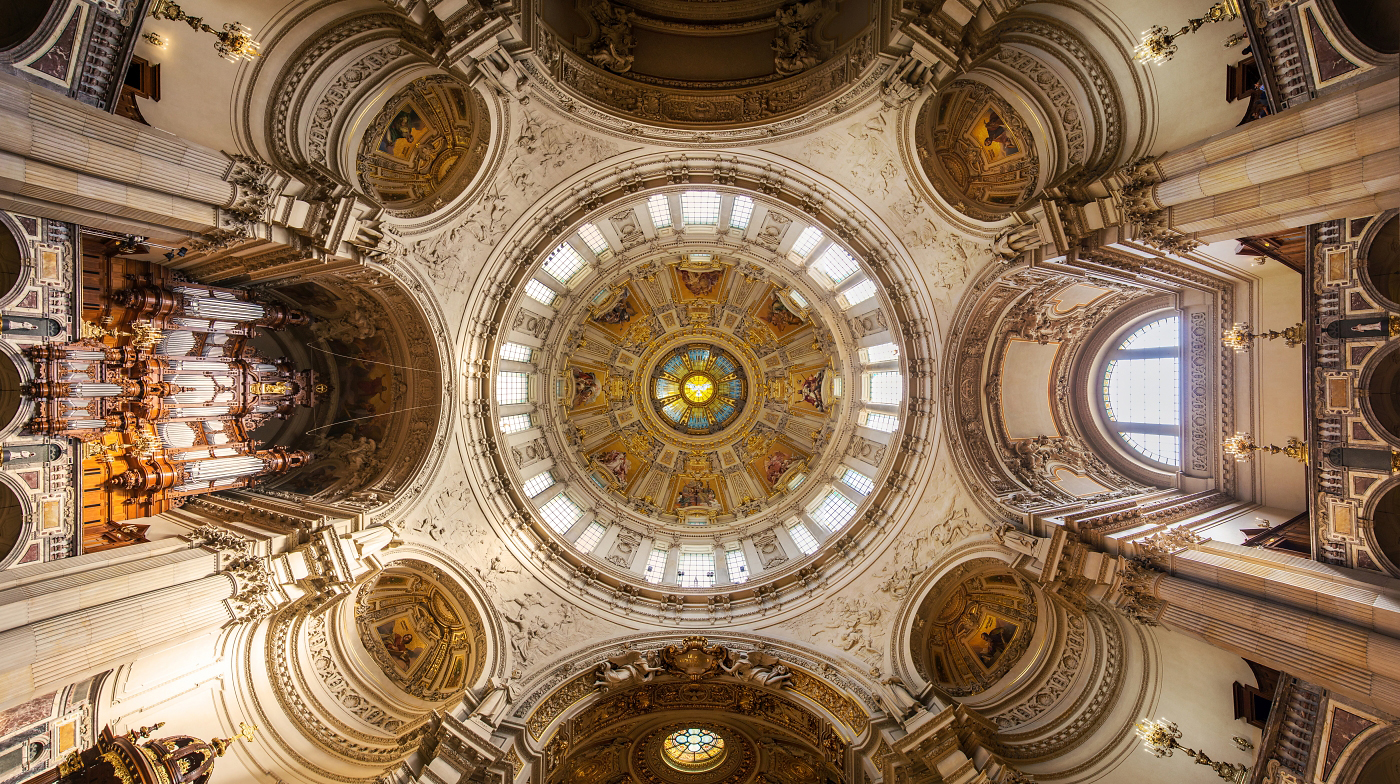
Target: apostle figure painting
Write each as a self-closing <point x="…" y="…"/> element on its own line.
<point x="403" y="135"/>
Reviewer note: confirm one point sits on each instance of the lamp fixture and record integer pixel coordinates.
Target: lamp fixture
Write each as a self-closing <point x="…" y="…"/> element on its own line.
<point x="1241" y="446"/>
<point x="235" y="42"/>
<point x="1157" y="45"/>
<point x="1159" y="737"/>
<point x="1240" y="338"/>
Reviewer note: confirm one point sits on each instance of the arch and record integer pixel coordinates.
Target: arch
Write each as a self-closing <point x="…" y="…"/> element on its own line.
<point x="13" y="256"/>
<point x="1381" y="261"/>
<point x="14" y="405"/>
<point x="13" y="524"/>
<point x="1385" y="526"/>
<point x="1377" y="25"/>
<point x="20" y="19"/>
<point x="1379" y="388"/>
<point x="422" y="629"/>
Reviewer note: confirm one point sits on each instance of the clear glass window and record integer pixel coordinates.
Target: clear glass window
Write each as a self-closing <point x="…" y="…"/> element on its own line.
<point x="561" y="513"/>
<point x="737" y="564"/>
<point x="858" y="482"/>
<point x="516" y="423"/>
<point x="512" y="387"/>
<point x="803" y="538"/>
<point x="696" y="570"/>
<point x="1141" y="391"/>
<point x="858" y="293"/>
<point x="741" y="213"/>
<point x="593" y="238"/>
<point x="656" y="566"/>
<point x="564" y="263"/>
<point x="540" y="293"/>
<point x="834" y="511"/>
<point x="590" y="537"/>
<point x="538" y="483"/>
<point x="882" y="422"/>
<point x="837" y="265"/>
<point x="885" y="387"/>
<point x="700" y="208"/>
<point x="807" y="240"/>
<point x="517" y="352"/>
<point x="885" y="352"/>
<point x="660" y="210"/>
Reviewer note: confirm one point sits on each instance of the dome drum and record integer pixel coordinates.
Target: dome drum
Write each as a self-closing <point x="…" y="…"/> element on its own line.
<point x="667" y="492"/>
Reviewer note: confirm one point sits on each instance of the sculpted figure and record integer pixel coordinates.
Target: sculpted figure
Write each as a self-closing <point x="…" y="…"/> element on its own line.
<point x="613" y="50"/>
<point x="792" y="46"/>
<point x="1011" y="242"/>
<point x="630" y="668"/>
<point x="761" y="668"/>
<point x="493" y="706"/>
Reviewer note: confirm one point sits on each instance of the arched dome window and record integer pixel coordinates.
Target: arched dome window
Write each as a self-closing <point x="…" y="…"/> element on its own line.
<point x="1141" y="394"/>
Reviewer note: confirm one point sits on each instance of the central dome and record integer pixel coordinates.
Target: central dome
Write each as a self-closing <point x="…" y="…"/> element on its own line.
<point x="698" y="386"/>
<point x="698" y="389"/>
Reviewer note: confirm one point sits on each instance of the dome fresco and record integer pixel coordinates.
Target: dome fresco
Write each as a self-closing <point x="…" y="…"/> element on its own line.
<point x="698" y="388"/>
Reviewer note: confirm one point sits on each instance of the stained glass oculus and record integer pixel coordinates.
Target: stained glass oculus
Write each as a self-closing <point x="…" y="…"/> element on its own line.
<point x="693" y="749"/>
<point x="698" y="389"/>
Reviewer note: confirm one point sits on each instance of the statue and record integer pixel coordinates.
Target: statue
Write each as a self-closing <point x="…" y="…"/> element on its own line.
<point x="1011" y="242"/>
<point x="761" y="668"/>
<point x="493" y="706"/>
<point x="792" y="47"/>
<point x="628" y="669"/>
<point x="613" y="49"/>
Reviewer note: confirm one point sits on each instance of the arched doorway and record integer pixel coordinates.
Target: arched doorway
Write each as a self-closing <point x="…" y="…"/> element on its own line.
<point x="11" y="259"/>
<point x="19" y="19"/>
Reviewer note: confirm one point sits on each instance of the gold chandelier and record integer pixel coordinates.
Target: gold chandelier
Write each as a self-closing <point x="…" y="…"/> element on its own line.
<point x="1157" y="45"/>
<point x="1240" y="338"/>
<point x="235" y="42"/>
<point x="1159" y="737"/>
<point x="1241" y="446"/>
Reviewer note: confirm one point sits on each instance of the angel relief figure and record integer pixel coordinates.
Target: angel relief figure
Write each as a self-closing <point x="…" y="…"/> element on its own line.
<point x="630" y="668"/>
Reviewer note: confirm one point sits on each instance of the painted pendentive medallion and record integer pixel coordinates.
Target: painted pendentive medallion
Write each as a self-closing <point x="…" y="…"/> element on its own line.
<point x="424" y="147"/>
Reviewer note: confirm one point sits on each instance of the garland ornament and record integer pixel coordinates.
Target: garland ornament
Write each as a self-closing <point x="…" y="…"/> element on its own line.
<point x="1157" y="45"/>
<point x="1159" y="737"/>
<point x="1241" y="446"/>
<point x="235" y="40"/>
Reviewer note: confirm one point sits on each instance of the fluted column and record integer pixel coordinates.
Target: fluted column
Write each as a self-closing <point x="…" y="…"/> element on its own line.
<point x="1360" y="663"/>
<point x="1334" y="157"/>
<point x="69" y="626"/>
<point x="77" y="160"/>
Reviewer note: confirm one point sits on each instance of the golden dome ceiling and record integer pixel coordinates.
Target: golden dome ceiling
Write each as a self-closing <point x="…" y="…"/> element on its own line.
<point x="682" y="393"/>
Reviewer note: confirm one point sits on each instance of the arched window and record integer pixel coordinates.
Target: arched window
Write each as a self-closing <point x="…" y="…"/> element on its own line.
<point x="1142" y="390"/>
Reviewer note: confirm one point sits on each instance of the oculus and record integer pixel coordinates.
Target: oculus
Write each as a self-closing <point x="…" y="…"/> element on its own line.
<point x="693" y="749"/>
<point x="698" y="389"/>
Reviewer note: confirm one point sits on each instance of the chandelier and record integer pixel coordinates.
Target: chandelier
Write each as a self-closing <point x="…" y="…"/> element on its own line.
<point x="1159" y="737"/>
<point x="1241" y="446"/>
<point x="1157" y="45"/>
<point x="235" y="42"/>
<point x="1240" y="338"/>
